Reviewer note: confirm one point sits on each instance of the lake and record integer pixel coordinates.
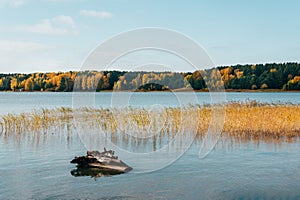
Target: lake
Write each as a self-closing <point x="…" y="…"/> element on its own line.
<point x="38" y="167"/>
<point x="23" y="102"/>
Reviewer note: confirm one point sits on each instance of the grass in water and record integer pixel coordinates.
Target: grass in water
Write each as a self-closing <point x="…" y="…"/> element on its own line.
<point x="250" y="120"/>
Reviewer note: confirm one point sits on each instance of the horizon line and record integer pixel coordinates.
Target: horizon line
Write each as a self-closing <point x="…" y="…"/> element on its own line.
<point x="122" y="70"/>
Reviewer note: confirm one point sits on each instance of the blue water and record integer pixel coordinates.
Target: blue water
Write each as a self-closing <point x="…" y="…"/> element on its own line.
<point x="22" y="102"/>
<point x="37" y="166"/>
<point x="42" y="171"/>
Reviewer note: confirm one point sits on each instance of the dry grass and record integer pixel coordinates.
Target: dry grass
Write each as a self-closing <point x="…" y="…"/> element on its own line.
<point x="262" y="120"/>
<point x="243" y="120"/>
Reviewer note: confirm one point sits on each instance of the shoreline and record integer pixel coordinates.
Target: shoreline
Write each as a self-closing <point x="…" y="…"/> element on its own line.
<point x="177" y="90"/>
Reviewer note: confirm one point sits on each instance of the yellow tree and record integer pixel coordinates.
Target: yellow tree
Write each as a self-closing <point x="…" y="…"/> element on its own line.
<point x="29" y="84"/>
<point x="84" y="82"/>
<point x="13" y="84"/>
<point x="1" y="84"/>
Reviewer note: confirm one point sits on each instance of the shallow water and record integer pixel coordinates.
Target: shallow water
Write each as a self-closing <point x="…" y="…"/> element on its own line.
<point x="41" y="170"/>
<point x="37" y="166"/>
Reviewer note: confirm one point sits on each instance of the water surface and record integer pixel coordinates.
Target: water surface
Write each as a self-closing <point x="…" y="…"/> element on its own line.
<point x="22" y="102"/>
<point x="37" y="166"/>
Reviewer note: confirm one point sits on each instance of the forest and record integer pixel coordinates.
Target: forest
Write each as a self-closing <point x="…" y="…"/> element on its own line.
<point x="280" y="76"/>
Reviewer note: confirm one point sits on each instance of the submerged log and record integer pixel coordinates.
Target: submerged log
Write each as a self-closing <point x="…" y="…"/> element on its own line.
<point x="106" y="161"/>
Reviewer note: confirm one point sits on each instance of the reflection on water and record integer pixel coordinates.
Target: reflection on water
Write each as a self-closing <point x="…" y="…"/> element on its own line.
<point x="94" y="136"/>
<point x="35" y="165"/>
<point x="153" y="129"/>
<point x="92" y="172"/>
<point x="32" y="163"/>
<point x="242" y="169"/>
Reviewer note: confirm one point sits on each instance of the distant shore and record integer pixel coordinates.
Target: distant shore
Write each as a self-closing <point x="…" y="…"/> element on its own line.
<point x="272" y="77"/>
<point x="177" y="90"/>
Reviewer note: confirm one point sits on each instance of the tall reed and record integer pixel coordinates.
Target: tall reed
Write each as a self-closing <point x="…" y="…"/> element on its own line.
<point x="243" y="120"/>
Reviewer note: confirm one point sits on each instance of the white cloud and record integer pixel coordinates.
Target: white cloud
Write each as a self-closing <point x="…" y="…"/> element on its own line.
<point x="20" y="56"/>
<point x="11" y="46"/>
<point x="56" y="0"/>
<point x="59" y="25"/>
<point x="15" y="3"/>
<point x="92" y="13"/>
<point x="64" y="20"/>
<point x="24" y="57"/>
<point x="43" y="27"/>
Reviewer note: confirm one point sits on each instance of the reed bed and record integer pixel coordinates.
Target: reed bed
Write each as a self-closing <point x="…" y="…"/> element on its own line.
<point x="250" y="120"/>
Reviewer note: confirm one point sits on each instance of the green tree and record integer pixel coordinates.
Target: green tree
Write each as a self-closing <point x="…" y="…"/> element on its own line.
<point x="61" y="84"/>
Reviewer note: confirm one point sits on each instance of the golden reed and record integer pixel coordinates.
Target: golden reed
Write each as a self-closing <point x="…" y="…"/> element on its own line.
<point x="243" y="120"/>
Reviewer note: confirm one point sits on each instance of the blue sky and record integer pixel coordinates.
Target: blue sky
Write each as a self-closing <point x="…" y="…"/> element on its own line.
<point x="57" y="35"/>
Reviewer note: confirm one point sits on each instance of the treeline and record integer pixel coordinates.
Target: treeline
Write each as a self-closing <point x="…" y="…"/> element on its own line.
<point x="60" y="81"/>
<point x="284" y="76"/>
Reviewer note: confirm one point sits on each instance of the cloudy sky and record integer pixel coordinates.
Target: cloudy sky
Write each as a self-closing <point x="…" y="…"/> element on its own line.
<point x="57" y="35"/>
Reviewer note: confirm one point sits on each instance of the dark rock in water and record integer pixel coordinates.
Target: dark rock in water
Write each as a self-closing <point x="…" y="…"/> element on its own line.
<point x="105" y="161"/>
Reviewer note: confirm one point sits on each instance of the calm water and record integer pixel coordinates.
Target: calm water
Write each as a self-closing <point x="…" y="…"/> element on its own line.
<point x="38" y="167"/>
<point x="22" y="102"/>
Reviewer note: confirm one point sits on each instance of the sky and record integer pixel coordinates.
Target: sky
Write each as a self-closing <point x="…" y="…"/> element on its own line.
<point x="58" y="35"/>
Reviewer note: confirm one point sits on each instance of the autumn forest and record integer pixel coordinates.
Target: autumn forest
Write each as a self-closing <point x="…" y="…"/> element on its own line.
<point x="282" y="76"/>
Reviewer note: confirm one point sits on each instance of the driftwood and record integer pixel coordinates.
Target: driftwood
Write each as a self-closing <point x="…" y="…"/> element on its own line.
<point x="105" y="161"/>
